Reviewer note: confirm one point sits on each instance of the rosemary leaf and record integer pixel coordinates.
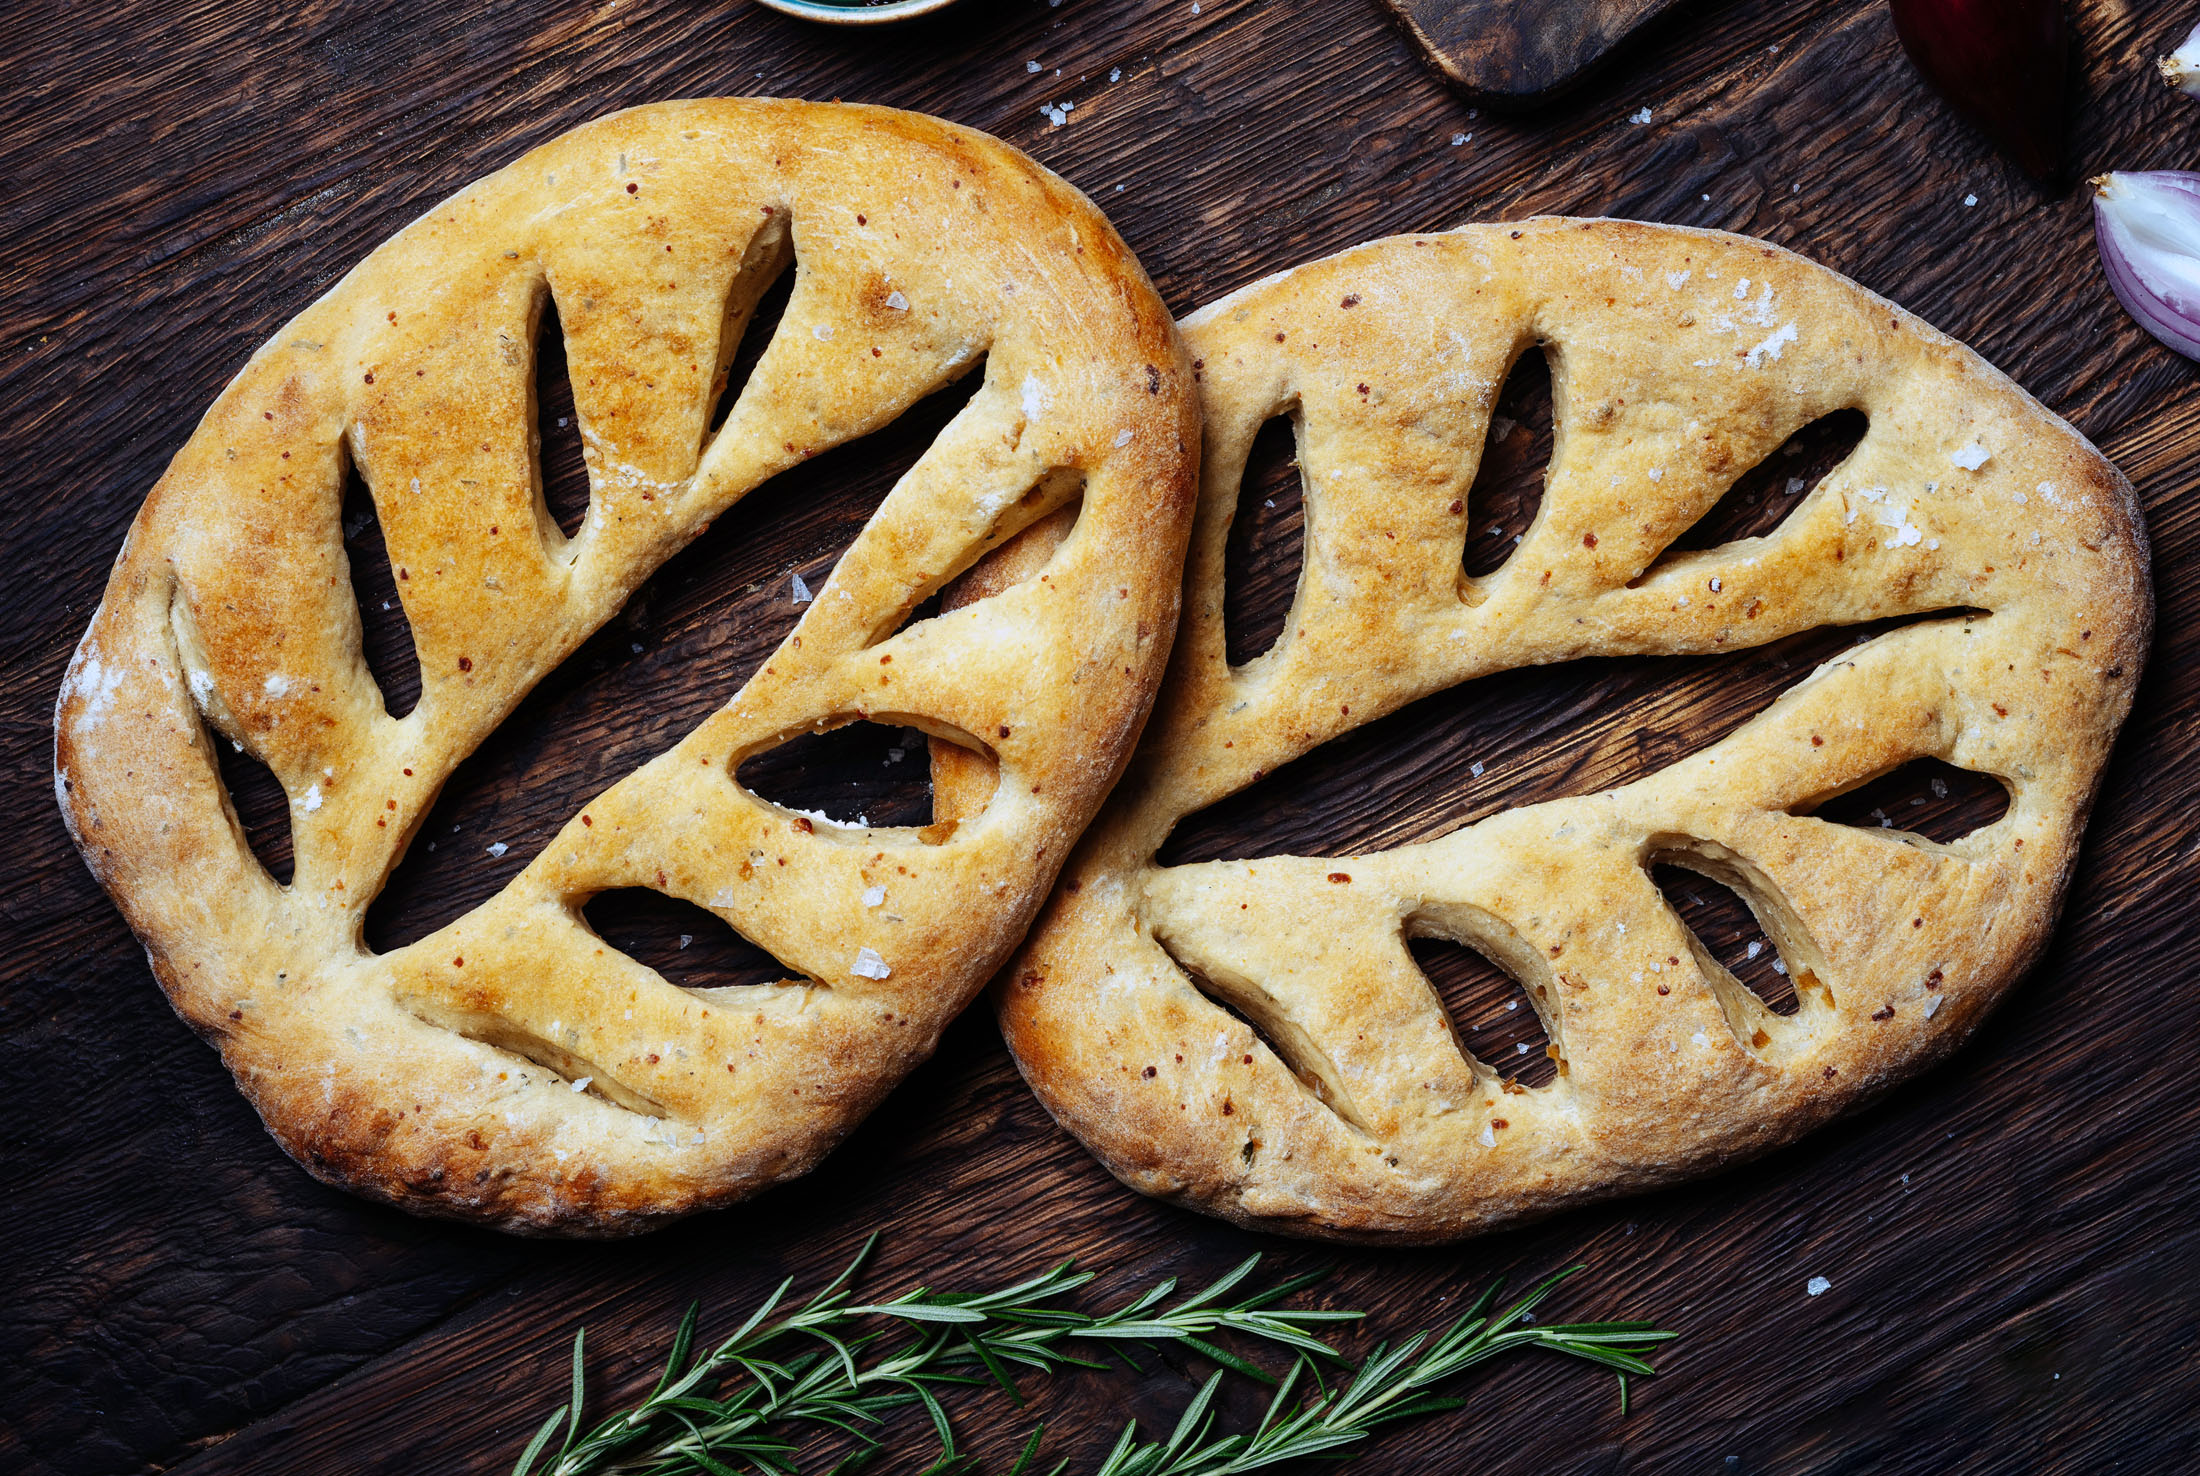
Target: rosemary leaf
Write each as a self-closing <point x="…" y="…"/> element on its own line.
<point x="542" y="1438"/>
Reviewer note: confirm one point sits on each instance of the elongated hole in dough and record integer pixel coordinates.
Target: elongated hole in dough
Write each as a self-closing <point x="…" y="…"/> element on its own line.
<point x="1494" y="1018"/>
<point x="1721" y="920"/>
<point x="756" y="301"/>
<point x="385" y="635"/>
<point x="1037" y="524"/>
<point x="252" y="797"/>
<point x="1265" y="554"/>
<point x="687" y="945"/>
<point x="1926" y="799"/>
<point x="1512" y="958"/>
<point x="561" y="471"/>
<point x="1259" y="1012"/>
<point x="1749" y="1013"/>
<point x="791" y="772"/>
<point x="1507" y="491"/>
<point x="257" y="801"/>
<point x="856" y="773"/>
<point x="563" y="1065"/>
<point x="1762" y="498"/>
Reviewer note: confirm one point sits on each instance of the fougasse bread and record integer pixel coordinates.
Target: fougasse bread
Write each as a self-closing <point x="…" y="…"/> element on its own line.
<point x="512" y="1067"/>
<point x="1253" y="1038"/>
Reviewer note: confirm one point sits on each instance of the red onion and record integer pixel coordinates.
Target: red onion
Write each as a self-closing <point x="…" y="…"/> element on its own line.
<point x="2003" y="63"/>
<point x="2148" y="227"/>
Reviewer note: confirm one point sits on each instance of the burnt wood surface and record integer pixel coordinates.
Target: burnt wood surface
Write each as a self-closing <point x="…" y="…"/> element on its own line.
<point x="2010" y="1241"/>
<point x="1518" y="50"/>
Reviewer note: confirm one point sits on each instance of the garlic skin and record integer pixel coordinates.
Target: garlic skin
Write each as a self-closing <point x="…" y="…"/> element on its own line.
<point x="2181" y="68"/>
<point x="2148" y="228"/>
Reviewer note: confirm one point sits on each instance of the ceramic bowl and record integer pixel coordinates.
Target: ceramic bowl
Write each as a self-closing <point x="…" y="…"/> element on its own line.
<point x="856" y="15"/>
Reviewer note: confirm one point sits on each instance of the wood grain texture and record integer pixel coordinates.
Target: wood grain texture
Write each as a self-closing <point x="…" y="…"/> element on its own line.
<point x="175" y="1294"/>
<point x="1515" y="51"/>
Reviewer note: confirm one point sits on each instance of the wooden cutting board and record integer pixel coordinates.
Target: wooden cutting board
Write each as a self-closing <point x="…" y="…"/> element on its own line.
<point x="2010" y="1240"/>
<point x="1519" y="50"/>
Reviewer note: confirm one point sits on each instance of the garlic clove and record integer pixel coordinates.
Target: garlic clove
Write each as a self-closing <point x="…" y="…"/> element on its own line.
<point x="2148" y="228"/>
<point x="2181" y="68"/>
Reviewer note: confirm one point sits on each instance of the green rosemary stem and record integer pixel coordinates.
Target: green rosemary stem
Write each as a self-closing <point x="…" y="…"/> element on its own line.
<point x="1392" y="1384"/>
<point x="827" y="1364"/>
<point x="810" y="1366"/>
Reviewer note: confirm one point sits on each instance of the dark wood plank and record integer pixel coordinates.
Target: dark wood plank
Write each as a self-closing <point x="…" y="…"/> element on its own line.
<point x="173" y="1290"/>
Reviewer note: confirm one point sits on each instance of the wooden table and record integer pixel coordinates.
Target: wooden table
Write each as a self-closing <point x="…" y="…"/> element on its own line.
<point x="2011" y="1241"/>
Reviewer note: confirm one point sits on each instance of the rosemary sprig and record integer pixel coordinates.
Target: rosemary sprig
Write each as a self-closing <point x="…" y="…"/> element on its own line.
<point x="810" y="1366"/>
<point x="717" y="1413"/>
<point x="1392" y="1384"/>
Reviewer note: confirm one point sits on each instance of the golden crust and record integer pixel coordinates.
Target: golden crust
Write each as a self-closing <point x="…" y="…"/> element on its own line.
<point x="1680" y="359"/>
<point x="444" y="1077"/>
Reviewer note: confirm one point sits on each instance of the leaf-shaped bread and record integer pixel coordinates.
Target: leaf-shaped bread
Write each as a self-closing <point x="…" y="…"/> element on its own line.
<point x="1680" y="359"/>
<point x="513" y="1067"/>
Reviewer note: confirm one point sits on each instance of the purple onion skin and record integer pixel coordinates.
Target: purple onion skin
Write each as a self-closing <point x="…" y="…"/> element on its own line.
<point x="2004" y="64"/>
<point x="2175" y="328"/>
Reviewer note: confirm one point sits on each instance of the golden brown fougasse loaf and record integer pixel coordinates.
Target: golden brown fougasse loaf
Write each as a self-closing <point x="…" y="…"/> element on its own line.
<point x="1680" y="358"/>
<point x="513" y="1068"/>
